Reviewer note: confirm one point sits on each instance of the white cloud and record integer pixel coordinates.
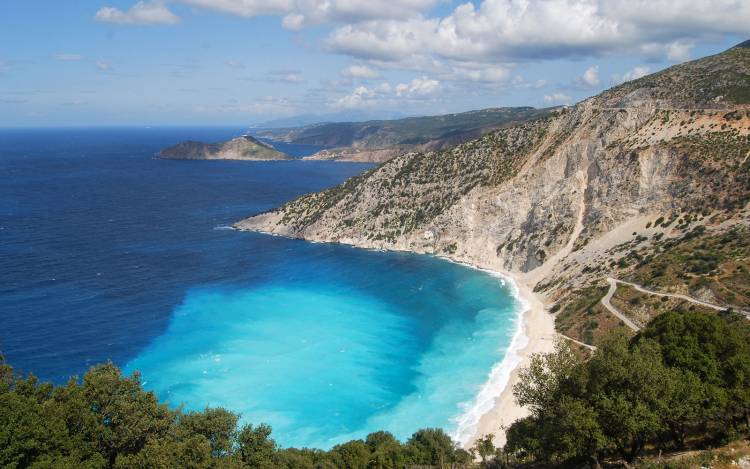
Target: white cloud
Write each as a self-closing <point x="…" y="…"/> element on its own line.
<point x="360" y="97"/>
<point x="67" y="57"/>
<point x="557" y="98"/>
<point x="364" y="97"/>
<point x="359" y="71"/>
<point x="299" y="13"/>
<point x="591" y="76"/>
<point x="143" y="12"/>
<point x="636" y="73"/>
<point x="418" y="86"/>
<point x="509" y="30"/>
<point x="103" y="66"/>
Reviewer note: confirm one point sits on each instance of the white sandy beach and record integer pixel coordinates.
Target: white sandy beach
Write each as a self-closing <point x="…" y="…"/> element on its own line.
<point x="537" y="335"/>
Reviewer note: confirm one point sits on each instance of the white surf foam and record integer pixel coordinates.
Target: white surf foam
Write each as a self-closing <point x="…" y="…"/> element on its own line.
<point x="499" y="377"/>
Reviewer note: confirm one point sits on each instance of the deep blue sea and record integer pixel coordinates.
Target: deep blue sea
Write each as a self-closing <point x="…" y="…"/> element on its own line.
<point x="107" y="253"/>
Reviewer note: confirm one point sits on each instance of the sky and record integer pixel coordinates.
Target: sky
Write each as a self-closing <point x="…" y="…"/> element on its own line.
<point x="245" y="62"/>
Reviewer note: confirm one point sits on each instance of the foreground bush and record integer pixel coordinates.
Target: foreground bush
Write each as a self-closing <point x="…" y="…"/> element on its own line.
<point x="107" y="420"/>
<point x="683" y="380"/>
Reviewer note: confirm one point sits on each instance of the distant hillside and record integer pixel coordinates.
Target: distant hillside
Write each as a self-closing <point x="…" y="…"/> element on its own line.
<point x="381" y="140"/>
<point x="239" y="148"/>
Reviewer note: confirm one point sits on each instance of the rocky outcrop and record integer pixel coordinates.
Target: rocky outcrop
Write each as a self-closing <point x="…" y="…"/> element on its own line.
<point x="240" y="148"/>
<point x="548" y="198"/>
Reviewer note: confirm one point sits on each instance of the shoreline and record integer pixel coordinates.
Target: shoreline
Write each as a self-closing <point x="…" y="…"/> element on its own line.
<point x="538" y="327"/>
<point x="494" y="407"/>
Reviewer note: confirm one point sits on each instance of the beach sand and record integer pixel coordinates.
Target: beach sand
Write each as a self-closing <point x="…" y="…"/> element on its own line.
<point x="537" y="336"/>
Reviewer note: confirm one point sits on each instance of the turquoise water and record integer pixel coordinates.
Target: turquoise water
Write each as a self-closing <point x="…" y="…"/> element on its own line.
<point x="332" y="359"/>
<point x="110" y="254"/>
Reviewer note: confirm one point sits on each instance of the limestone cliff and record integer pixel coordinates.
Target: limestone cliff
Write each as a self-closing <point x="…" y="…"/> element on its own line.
<point x="550" y="199"/>
<point x="239" y="148"/>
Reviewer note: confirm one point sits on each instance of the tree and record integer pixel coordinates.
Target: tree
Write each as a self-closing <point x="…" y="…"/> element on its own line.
<point x="386" y="451"/>
<point x="351" y="455"/>
<point x="432" y="446"/>
<point x="255" y="446"/>
<point x="218" y="426"/>
<point x="484" y="447"/>
<point x="125" y="416"/>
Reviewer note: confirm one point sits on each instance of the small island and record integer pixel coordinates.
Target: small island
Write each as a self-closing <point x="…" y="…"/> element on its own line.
<point x="245" y="148"/>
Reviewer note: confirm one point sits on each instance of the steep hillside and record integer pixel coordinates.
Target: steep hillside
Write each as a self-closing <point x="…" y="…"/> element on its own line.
<point x="239" y="148"/>
<point x="607" y="187"/>
<point x="378" y="141"/>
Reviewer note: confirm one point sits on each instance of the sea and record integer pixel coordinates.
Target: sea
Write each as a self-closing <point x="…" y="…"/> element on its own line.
<point x="109" y="253"/>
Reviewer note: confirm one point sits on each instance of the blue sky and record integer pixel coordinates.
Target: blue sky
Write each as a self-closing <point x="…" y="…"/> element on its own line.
<point x="160" y="62"/>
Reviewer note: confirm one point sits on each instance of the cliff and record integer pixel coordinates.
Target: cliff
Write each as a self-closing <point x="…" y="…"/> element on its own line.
<point x="565" y="200"/>
<point x="239" y="148"/>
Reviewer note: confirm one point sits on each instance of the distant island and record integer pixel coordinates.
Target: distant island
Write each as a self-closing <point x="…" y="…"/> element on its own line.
<point x="239" y="148"/>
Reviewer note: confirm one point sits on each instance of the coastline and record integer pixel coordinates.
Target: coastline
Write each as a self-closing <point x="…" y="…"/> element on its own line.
<point x="494" y="407"/>
<point x="534" y="334"/>
<point x="538" y="329"/>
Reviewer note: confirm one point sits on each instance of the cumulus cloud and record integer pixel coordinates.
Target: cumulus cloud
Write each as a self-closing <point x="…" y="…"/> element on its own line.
<point x="299" y="13"/>
<point x="557" y="98"/>
<point x="67" y="57"/>
<point x="359" y="71"/>
<point x="591" y="76"/>
<point x="358" y="98"/>
<point x="636" y="73"/>
<point x="103" y="66"/>
<point x="418" y="86"/>
<point x="511" y="30"/>
<point x="385" y="93"/>
<point x="155" y="12"/>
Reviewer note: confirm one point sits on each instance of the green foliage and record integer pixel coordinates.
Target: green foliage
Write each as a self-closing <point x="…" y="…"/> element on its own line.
<point x="108" y="421"/>
<point x="685" y="376"/>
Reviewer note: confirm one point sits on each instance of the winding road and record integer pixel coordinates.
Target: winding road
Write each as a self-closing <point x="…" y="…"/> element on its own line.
<point x="628" y="322"/>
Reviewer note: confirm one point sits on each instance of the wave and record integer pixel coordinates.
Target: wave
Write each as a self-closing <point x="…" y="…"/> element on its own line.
<point x="499" y="377"/>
